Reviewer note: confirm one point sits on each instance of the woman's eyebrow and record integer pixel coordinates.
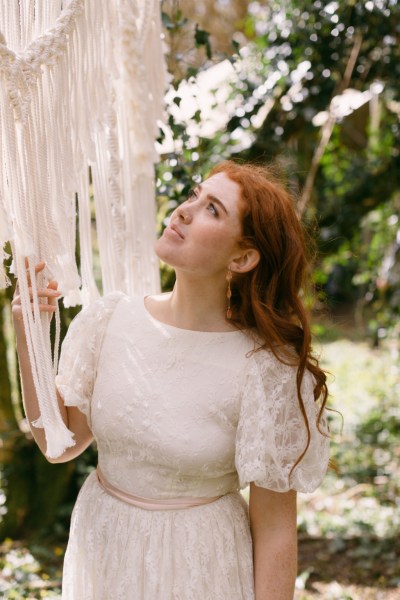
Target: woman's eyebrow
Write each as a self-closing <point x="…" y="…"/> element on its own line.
<point x="214" y="199"/>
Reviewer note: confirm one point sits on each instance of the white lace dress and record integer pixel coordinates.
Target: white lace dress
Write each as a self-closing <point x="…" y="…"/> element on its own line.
<point x="176" y="413"/>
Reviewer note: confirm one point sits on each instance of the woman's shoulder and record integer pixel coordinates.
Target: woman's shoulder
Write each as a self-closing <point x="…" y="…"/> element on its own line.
<point x="265" y="355"/>
<point x="111" y="299"/>
<point x="99" y="307"/>
<point x="270" y="365"/>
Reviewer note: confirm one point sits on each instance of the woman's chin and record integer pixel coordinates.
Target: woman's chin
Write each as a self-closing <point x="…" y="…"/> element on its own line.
<point x="159" y="249"/>
<point x="162" y="252"/>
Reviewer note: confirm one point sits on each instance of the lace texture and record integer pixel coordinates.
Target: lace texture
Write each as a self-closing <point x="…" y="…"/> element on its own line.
<point x="120" y="552"/>
<point x="176" y="413"/>
<point x="80" y="352"/>
<point x="272" y="434"/>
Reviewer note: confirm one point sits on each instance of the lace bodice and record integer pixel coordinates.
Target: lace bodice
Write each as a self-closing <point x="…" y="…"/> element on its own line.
<point x="186" y="413"/>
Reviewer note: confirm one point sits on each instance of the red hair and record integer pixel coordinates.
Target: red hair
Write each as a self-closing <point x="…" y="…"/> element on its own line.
<point x="269" y="298"/>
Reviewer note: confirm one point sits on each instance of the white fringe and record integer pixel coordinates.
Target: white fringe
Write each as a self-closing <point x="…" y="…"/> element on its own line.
<point x="81" y="84"/>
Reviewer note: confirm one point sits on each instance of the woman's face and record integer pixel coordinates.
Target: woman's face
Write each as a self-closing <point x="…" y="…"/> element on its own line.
<point x="203" y="233"/>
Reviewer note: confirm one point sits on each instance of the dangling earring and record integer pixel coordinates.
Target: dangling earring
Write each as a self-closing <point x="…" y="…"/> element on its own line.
<point x="229" y="294"/>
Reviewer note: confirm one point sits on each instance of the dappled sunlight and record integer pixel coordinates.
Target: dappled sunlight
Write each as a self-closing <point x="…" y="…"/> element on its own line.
<point x="30" y="572"/>
<point x="349" y="528"/>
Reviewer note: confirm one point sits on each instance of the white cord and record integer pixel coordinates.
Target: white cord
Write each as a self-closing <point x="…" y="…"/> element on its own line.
<point x="78" y="87"/>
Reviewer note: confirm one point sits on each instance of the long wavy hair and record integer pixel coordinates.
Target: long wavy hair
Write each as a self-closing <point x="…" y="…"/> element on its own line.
<point x="270" y="297"/>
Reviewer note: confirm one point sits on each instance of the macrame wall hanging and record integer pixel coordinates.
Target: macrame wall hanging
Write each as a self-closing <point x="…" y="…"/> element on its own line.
<point x="81" y="91"/>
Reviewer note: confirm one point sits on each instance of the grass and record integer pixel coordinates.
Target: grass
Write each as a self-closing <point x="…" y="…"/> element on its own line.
<point x="349" y="528"/>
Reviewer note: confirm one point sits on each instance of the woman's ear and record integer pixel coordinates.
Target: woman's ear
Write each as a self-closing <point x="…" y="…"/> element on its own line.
<point x="245" y="262"/>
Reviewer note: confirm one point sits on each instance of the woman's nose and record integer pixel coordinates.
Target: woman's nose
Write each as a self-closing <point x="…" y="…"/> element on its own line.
<point x="184" y="214"/>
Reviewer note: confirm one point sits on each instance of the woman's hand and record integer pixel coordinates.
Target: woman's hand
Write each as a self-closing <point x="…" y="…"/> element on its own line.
<point x="50" y="293"/>
<point x="72" y="417"/>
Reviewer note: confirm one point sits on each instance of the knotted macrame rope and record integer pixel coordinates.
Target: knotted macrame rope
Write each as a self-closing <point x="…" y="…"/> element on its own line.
<point x="81" y="92"/>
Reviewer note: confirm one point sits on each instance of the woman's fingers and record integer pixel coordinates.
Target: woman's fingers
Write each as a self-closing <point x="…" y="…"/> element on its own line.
<point x="49" y="307"/>
<point x="51" y="293"/>
<point x="52" y="286"/>
<point x="46" y="308"/>
<point x="38" y="267"/>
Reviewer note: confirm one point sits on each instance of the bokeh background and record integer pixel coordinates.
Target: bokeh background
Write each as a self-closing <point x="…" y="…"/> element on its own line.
<point x="314" y="87"/>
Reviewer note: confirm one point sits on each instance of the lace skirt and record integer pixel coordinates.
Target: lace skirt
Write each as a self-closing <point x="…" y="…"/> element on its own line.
<point x="120" y="552"/>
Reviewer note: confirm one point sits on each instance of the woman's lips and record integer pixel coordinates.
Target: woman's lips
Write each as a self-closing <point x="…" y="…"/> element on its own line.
<point x="176" y="230"/>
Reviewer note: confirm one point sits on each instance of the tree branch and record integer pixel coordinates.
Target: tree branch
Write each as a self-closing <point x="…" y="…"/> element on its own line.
<point x="327" y="127"/>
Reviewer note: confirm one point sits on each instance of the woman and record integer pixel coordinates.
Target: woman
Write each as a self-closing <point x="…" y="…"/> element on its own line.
<point x="190" y="396"/>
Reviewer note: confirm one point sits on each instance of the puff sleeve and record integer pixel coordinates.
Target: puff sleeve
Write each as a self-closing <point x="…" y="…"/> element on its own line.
<point x="271" y="432"/>
<point x="80" y="352"/>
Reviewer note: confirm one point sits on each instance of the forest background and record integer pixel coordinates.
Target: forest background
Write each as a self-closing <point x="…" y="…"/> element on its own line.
<point x="314" y="87"/>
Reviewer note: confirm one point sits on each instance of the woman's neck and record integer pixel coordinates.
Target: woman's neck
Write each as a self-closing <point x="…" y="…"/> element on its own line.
<point x="193" y="304"/>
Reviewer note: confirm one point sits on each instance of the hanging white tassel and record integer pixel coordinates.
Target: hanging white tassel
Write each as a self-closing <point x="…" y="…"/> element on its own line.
<point x="78" y="88"/>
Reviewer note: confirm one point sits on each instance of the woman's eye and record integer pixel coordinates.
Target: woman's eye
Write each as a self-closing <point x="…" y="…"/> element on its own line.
<point x="191" y="195"/>
<point x="212" y="209"/>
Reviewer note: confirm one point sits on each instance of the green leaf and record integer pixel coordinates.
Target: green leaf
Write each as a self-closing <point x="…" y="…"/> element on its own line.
<point x="235" y="46"/>
<point x="166" y="21"/>
<point x="197" y="116"/>
<point x="202" y="38"/>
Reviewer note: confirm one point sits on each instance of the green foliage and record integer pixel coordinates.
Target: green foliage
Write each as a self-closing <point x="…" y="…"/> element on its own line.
<point x="298" y="57"/>
<point x="174" y="22"/>
<point x="363" y="496"/>
<point x="202" y="38"/>
<point x="351" y="525"/>
<point x="22" y="573"/>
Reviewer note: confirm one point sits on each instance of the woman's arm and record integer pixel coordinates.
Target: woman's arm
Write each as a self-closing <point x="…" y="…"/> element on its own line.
<point x="274" y="531"/>
<point x="72" y="416"/>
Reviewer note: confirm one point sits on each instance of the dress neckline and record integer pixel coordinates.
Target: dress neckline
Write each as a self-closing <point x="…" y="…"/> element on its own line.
<point x="182" y="329"/>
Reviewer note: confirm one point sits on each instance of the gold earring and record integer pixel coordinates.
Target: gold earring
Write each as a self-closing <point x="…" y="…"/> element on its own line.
<point x="229" y="294"/>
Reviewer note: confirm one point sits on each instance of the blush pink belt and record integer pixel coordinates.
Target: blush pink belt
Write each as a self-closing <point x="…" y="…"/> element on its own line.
<point x="151" y="503"/>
